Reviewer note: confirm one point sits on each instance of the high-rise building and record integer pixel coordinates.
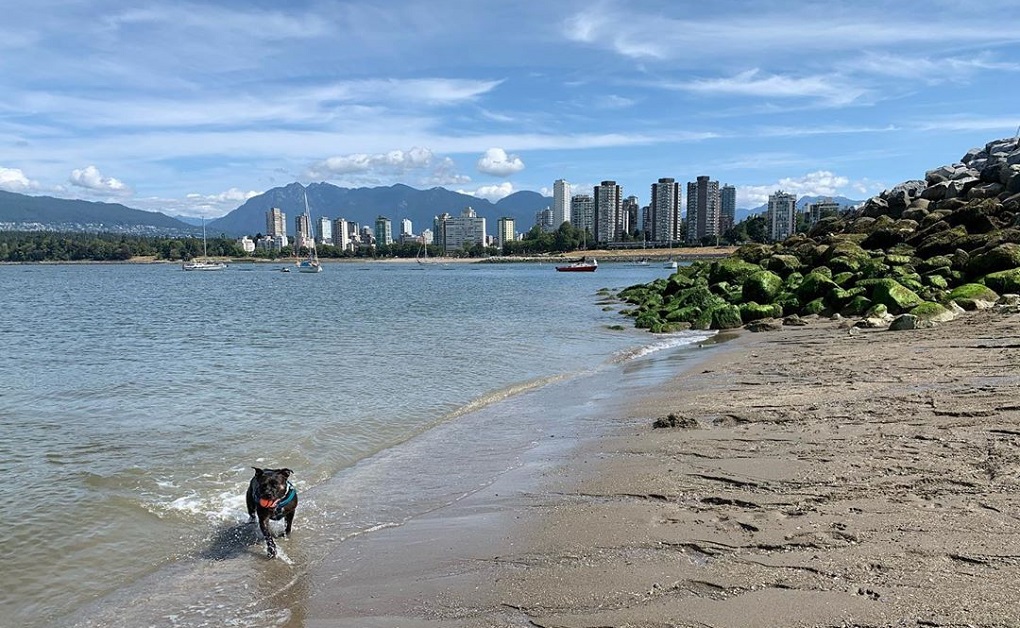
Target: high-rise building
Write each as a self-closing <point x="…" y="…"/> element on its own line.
<point x="702" y="209"/>
<point x="631" y="207"/>
<point x="582" y="213"/>
<point x="561" y="203"/>
<point x="609" y="219"/>
<point x="405" y="228"/>
<point x="727" y="207"/>
<point x="383" y="231"/>
<point x="302" y="232"/>
<point x="342" y="233"/>
<point x="324" y="232"/>
<point x="544" y="220"/>
<point x="505" y="231"/>
<point x="821" y="209"/>
<point x="454" y="233"/>
<point x="782" y="216"/>
<point x="276" y="223"/>
<point x="665" y="211"/>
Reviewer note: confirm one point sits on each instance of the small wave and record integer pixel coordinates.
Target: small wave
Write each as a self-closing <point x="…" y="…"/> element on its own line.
<point x="670" y="341"/>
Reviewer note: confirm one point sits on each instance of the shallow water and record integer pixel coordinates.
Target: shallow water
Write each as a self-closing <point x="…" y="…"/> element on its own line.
<point x="137" y="397"/>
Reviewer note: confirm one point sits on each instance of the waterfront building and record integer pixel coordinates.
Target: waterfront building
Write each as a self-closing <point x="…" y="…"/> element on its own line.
<point x="406" y="232"/>
<point x="383" y="231"/>
<point x="246" y="244"/>
<point x="664" y="222"/>
<point x="582" y="213"/>
<point x="821" y="209"/>
<point x="457" y="232"/>
<point x="610" y="223"/>
<point x="504" y="231"/>
<point x="702" y="209"/>
<point x="781" y="219"/>
<point x="324" y="231"/>
<point x="276" y="222"/>
<point x="727" y="207"/>
<point x="425" y="236"/>
<point x="302" y="232"/>
<point x="561" y="203"/>
<point x="342" y="234"/>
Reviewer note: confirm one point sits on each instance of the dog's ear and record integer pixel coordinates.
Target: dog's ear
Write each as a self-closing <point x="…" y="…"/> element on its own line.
<point x="258" y="471"/>
<point x="286" y="472"/>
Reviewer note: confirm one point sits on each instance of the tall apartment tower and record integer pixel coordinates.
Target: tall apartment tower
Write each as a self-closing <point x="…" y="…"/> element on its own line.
<point x="505" y="231"/>
<point x="406" y="228"/>
<point x="561" y="203"/>
<point x="631" y="208"/>
<point x="582" y="213"/>
<point x="276" y="223"/>
<point x="609" y="219"/>
<point x="727" y="207"/>
<point x="782" y="215"/>
<point x="665" y="211"/>
<point x="302" y="231"/>
<point x="467" y="229"/>
<point x="324" y="231"/>
<point x="342" y="234"/>
<point x="383" y="231"/>
<point x="824" y="207"/>
<point x="702" y="209"/>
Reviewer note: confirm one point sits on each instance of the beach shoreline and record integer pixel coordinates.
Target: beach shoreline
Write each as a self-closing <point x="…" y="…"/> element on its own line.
<point x="834" y="478"/>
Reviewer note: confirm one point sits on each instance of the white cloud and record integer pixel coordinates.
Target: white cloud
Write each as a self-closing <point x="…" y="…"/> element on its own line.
<point x="827" y="88"/>
<point x="217" y="204"/>
<point x="90" y="178"/>
<point x="392" y="162"/>
<point x="492" y="192"/>
<point x="818" y="183"/>
<point x="445" y="173"/>
<point x="498" y="163"/>
<point x="14" y="180"/>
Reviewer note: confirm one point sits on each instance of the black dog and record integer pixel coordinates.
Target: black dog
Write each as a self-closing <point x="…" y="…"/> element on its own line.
<point x="271" y="496"/>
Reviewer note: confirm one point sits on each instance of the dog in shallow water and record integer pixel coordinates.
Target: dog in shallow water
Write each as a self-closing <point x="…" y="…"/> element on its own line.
<point x="271" y="496"/>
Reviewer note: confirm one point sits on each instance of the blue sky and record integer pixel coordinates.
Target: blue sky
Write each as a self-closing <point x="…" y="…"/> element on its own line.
<point x="190" y="108"/>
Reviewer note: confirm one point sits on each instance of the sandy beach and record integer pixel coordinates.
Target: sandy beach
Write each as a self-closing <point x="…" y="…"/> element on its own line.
<point x="820" y="477"/>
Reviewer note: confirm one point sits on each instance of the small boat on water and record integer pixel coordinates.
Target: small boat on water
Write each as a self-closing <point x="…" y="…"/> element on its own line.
<point x="671" y="264"/>
<point x="204" y="263"/>
<point x="579" y="267"/>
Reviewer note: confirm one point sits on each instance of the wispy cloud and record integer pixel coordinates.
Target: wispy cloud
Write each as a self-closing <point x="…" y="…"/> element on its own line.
<point x="818" y="183"/>
<point x="832" y="90"/>
<point x="492" y="192"/>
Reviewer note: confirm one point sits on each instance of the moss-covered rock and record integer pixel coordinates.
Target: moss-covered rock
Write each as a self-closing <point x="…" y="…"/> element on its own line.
<point x="762" y="286"/>
<point x="815" y="284"/>
<point x="969" y="295"/>
<point x="1002" y="257"/>
<point x="934" y="312"/>
<point x="856" y="306"/>
<point x="1004" y="281"/>
<point x="783" y="265"/>
<point x="731" y="270"/>
<point x="726" y="317"/>
<point x="753" y="311"/>
<point x="891" y="293"/>
<point x="936" y="281"/>
<point x="816" y="306"/>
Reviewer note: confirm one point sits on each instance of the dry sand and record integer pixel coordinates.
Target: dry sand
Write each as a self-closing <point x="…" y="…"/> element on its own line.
<point x="830" y="479"/>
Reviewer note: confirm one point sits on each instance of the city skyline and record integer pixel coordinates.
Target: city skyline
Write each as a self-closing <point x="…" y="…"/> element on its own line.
<point x="191" y="108"/>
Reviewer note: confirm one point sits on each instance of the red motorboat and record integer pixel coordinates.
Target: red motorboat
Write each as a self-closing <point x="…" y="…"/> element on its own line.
<point x="579" y="267"/>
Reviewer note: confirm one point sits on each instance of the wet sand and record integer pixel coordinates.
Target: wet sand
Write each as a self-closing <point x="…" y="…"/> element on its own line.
<point x="828" y="478"/>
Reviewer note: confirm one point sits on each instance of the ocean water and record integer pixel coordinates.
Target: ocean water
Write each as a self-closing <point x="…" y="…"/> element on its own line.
<point x="134" y="400"/>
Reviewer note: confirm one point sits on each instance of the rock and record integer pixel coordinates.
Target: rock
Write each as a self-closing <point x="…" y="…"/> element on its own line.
<point x="891" y="293"/>
<point x="767" y="324"/>
<point x="905" y="322"/>
<point x="794" y="321"/>
<point x="762" y="286"/>
<point x="871" y="323"/>
<point x="1002" y="257"/>
<point x="1004" y="281"/>
<point x="973" y="296"/>
<point x="934" y="312"/>
<point x="675" y="421"/>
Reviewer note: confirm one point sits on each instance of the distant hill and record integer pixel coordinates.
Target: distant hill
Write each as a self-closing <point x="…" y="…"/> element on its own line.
<point x="44" y="213"/>
<point x="364" y="205"/>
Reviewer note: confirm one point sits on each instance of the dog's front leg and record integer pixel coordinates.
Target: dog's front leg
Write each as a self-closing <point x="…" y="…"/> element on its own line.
<point x="270" y="542"/>
<point x="290" y="520"/>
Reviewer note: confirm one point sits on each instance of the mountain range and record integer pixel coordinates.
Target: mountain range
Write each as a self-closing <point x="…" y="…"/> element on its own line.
<point x="361" y="205"/>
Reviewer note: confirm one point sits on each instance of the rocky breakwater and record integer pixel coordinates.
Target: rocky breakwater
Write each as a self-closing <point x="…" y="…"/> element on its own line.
<point x="915" y="255"/>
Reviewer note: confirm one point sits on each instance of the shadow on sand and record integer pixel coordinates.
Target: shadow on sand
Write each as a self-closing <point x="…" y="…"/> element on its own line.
<point x="232" y="541"/>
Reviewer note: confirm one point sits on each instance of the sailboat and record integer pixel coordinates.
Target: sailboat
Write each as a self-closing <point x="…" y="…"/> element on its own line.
<point x="204" y="263"/>
<point x="423" y="252"/>
<point x="310" y="265"/>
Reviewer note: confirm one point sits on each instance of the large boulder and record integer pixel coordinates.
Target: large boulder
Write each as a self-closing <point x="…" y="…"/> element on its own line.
<point x="1004" y="281"/>
<point x="762" y="286"/>
<point x="1001" y="257"/>
<point x="891" y="293"/>
<point x="973" y="296"/>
